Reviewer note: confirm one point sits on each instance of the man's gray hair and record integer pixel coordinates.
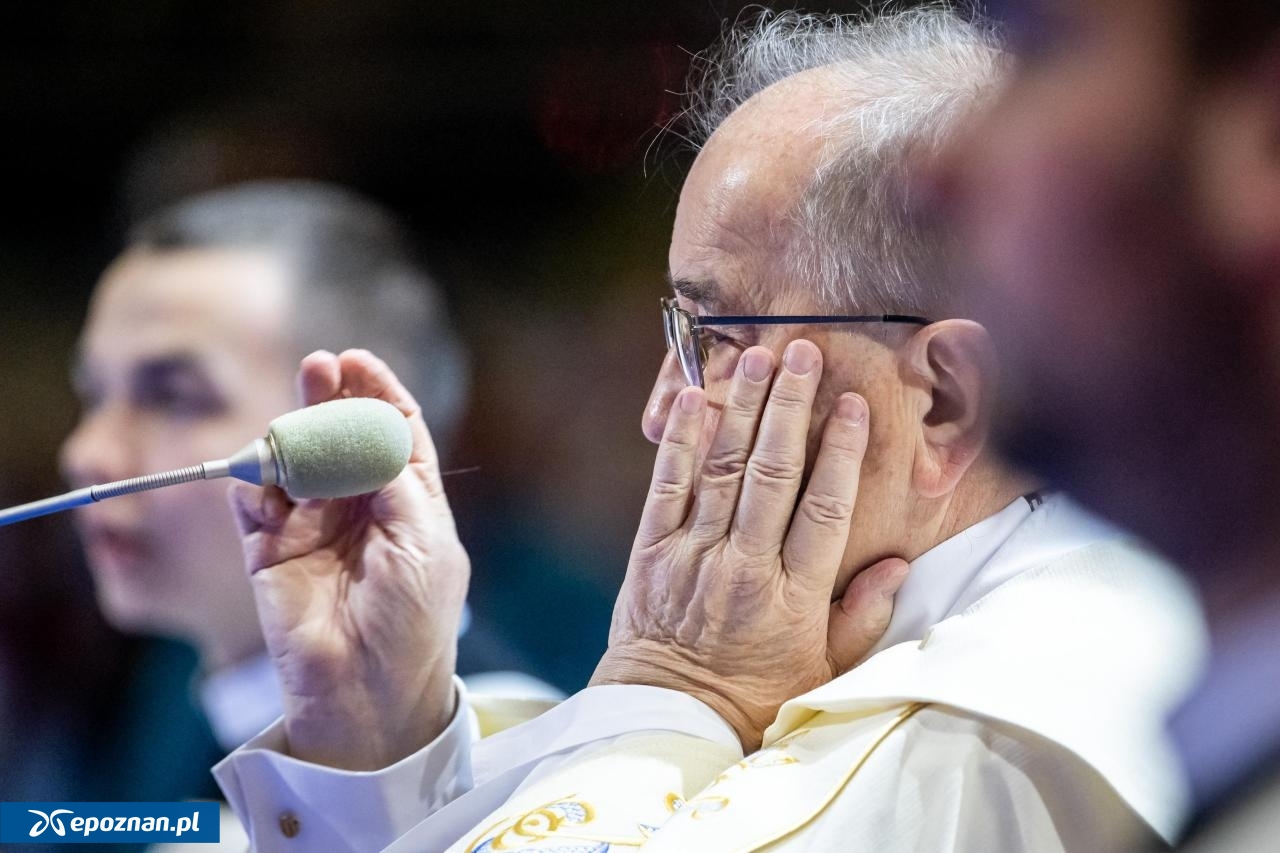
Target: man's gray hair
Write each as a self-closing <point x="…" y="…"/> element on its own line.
<point x="910" y="76"/>
<point x="356" y="279"/>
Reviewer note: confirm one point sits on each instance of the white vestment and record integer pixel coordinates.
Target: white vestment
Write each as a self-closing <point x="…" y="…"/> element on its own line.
<point x="1016" y="703"/>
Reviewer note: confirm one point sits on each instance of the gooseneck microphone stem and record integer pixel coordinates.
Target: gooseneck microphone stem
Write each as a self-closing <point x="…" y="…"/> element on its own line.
<point x="148" y="482"/>
<point x="344" y="447"/>
<point x="254" y="464"/>
<point x="93" y="494"/>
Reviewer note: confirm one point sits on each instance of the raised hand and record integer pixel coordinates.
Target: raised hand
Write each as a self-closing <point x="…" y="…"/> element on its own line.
<point x="728" y="594"/>
<point x="359" y="598"/>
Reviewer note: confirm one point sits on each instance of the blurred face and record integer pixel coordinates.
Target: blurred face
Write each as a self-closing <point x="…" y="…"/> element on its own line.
<point x="1082" y="197"/>
<point x="726" y="254"/>
<point x="183" y="359"/>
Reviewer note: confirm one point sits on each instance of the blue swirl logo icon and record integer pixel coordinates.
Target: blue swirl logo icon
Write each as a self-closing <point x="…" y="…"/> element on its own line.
<point x="49" y="820"/>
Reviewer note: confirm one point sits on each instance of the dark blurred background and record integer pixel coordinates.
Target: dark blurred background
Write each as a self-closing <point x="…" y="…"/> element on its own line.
<point x="520" y="142"/>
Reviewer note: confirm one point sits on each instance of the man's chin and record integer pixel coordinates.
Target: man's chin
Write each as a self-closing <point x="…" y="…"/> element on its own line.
<point x="131" y="610"/>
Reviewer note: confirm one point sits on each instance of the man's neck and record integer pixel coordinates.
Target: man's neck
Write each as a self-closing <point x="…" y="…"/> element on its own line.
<point x="988" y="487"/>
<point x="222" y="653"/>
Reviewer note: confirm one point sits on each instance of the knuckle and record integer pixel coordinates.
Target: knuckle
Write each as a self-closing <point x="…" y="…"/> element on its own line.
<point x="725" y="465"/>
<point x="790" y="397"/>
<point x="428" y="478"/>
<point x="843" y="444"/>
<point x="750" y="545"/>
<point x="645" y="554"/>
<point x="767" y="466"/>
<point x="681" y="439"/>
<point x="826" y="510"/>
<point x="669" y="488"/>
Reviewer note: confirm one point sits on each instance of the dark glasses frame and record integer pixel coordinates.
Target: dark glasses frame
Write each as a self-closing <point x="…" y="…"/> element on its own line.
<point x="681" y="329"/>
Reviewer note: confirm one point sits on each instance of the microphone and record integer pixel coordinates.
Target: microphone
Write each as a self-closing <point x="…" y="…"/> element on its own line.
<point x="331" y="450"/>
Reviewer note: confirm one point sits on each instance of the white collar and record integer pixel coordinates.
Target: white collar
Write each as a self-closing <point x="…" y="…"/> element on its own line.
<point x="939" y="576"/>
<point x="954" y="574"/>
<point x="241" y="700"/>
<point x="1071" y="631"/>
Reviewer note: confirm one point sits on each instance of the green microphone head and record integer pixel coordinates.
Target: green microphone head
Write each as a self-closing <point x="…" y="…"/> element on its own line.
<point x="340" y="448"/>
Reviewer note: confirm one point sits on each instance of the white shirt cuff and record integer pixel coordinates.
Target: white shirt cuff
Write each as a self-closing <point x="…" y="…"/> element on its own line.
<point x="597" y="713"/>
<point x="286" y="803"/>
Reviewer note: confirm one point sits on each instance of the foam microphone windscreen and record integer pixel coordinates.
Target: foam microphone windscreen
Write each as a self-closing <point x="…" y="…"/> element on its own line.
<point x="340" y="448"/>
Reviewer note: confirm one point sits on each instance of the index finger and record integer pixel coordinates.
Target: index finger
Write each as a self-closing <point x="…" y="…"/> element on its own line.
<point x="363" y="374"/>
<point x="319" y="378"/>
<point x="323" y="376"/>
<point x="671" y="489"/>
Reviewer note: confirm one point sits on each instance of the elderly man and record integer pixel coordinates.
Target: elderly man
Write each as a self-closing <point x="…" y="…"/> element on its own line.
<point x="1132" y="165"/>
<point x="819" y="416"/>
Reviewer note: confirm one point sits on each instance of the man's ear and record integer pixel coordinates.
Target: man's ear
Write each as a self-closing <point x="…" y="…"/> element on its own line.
<point x="953" y="365"/>
<point x="1238" y="165"/>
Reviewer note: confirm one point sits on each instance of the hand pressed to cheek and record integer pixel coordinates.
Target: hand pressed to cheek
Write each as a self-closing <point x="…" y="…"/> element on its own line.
<point x="728" y="592"/>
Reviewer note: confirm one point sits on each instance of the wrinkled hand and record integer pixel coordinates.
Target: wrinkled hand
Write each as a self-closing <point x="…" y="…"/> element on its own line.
<point x="728" y="593"/>
<point x="359" y="598"/>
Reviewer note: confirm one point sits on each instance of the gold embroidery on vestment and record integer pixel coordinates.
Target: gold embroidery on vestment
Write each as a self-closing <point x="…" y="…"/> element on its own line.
<point x="554" y="819"/>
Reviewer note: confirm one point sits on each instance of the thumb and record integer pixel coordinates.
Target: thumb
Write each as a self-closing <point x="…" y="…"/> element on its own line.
<point x="259" y="513"/>
<point x="861" y="616"/>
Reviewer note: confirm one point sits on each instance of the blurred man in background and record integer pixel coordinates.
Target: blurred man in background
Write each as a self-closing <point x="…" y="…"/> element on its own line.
<point x="188" y="350"/>
<point x="1123" y="202"/>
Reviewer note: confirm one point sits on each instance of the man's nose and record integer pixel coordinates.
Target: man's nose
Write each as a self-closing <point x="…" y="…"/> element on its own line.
<point x="97" y="449"/>
<point x="668" y="384"/>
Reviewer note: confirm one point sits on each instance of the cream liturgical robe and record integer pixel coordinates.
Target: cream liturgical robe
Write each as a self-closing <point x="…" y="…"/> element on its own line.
<point x="1016" y="703"/>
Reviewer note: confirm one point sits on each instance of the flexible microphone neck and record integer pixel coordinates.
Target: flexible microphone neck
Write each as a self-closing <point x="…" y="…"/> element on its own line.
<point x="254" y="463"/>
<point x="338" y="449"/>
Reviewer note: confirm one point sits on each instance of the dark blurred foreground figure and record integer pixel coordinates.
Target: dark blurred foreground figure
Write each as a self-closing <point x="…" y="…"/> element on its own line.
<point x="1123" y="199"/>
<point x="775" y="678"/>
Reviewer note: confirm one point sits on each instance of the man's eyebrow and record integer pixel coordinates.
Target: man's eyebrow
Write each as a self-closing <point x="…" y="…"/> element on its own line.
<point x="168" y="364"/>
<point x="704" y="292"/>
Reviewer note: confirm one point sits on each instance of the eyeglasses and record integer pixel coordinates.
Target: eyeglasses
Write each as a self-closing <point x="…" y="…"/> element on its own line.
<point x="682" y="330"/>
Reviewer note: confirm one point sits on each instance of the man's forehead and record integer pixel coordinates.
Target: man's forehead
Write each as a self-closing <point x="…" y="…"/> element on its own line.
<point x="733" y="219"/>
<point x="771" y="143"/>
<point x="195" y="290"/>
<point x="148" y="304"/>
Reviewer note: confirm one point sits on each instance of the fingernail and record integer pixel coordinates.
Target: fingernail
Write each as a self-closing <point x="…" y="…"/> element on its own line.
<point x="800" y="357"/>
<point x="756" y="365"/>
<point x="852" y="408"/>
<point x="690" y="400"/>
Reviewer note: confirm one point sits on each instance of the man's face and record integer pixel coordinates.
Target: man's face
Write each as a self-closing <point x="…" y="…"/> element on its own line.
<point x="1075" y="194"/>
<point x="726" y="257"/>
<point x="183" y="359"/>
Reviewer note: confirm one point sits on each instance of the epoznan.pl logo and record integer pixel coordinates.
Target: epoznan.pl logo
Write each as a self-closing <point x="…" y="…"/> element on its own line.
<point x="49" y="820"/>
<point x="109" y="823"/>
